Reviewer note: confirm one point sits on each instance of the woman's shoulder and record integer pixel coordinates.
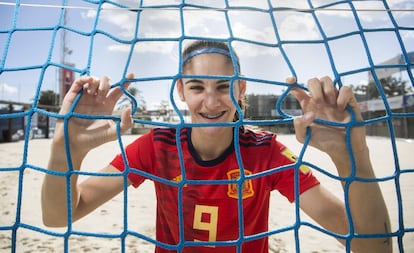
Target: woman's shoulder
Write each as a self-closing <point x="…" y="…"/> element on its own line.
<point x="155" y="138"/>
<point x="168" y="131"/>
<point x="155" y="133"/>
<point x="252" y="137"/>
<point x="167" y="135"/>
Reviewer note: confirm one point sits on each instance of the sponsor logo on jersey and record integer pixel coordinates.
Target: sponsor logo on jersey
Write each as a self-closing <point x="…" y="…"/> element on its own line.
<point x="289" y="155"/>
<point x="247" y="188"/>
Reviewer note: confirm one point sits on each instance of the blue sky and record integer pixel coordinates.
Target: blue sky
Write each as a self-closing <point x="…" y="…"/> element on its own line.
<point x="104" y="54"/>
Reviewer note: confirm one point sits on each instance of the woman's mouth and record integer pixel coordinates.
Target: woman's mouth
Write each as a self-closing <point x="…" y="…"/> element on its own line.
<point x="212" y="116"/>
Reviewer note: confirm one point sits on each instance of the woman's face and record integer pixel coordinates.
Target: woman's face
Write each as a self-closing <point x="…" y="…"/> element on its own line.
<point x="209" y="100"/>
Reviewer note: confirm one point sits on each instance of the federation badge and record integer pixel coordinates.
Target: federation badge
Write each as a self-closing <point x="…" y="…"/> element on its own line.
<point x="247" y="190"/>
<point x="178" y="179"/>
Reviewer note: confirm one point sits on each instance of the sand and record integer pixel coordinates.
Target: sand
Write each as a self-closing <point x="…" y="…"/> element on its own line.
<point x="109" y="219"/>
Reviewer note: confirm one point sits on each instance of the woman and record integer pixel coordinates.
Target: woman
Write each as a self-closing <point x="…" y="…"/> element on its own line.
<point x="210" y="211"/>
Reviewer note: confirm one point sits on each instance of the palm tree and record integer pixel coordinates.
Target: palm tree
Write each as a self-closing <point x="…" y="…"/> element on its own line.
<point x="48" y="97"/>
<point x="137" y="94"/>
<point x="390" y="85"/>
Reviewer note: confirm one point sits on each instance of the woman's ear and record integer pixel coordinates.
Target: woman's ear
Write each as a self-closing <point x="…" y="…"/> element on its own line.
<point x="180" y="89"/>
<point x="242" y="87"/>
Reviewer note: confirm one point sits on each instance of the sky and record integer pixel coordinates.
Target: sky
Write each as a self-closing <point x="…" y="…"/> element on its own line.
<point x="268" y="43"/>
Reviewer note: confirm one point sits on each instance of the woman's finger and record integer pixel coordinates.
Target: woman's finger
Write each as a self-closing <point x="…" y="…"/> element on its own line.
<point x="301" y="124"/>
<point x="91" y="87"/>
<point x="347" y="97"/>
<point x="291" y="80"/>
<point x="329" y="90"/>
<point x="315" y="90"/>
<point x="103" y="88"/>
<point x="117" y="92"/>
<point x="126" y="120"/>
<point x="301" y="96"/>
<point x="76" y="87"/>
<point x="79" y="84"/>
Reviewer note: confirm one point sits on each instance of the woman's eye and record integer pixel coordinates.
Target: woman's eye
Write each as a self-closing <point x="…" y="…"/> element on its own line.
<point x="224" y="87"/>
<point x="196" y="88"/>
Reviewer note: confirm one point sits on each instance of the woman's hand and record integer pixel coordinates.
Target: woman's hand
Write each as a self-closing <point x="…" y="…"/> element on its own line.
<point x="368" y="209"/>
<point x="324" y="101"/>
<point x="97" y="99"/>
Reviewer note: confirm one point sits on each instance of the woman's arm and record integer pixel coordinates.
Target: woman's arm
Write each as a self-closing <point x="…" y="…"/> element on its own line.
<point x="83" y="136"/>
<point x="86" y="196"/>
<point x="368" y="209"/>
<point x="368" y="212"/>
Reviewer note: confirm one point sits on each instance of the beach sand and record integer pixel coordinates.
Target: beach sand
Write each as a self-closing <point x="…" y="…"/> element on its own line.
<point x="109" y="219"/>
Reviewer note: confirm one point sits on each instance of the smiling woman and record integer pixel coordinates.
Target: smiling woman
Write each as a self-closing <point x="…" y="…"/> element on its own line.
<point x="212" y="47"/>
<point x="208" y="99"/>
<point x="190" y="157"/>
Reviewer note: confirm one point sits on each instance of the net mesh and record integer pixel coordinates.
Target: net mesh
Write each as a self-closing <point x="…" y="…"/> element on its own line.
<point x="288" y="49"/>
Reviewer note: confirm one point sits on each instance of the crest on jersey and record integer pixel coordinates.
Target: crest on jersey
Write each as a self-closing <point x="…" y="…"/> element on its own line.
<point x="289" y="155"/>
<point x="247" y="189"/>
<point x="178" y="179"/>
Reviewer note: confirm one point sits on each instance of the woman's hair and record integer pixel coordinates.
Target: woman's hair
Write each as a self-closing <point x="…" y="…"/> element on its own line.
<point x="205" y="46"/>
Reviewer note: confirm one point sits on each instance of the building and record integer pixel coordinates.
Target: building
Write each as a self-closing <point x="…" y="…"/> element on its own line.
<point x="264" y="107"/>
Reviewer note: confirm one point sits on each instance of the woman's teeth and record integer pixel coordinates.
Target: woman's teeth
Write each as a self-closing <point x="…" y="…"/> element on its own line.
<point x="212" y="116"/>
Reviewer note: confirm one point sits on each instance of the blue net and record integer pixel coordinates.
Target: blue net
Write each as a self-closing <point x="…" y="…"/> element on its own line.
<point x="288" y="51"/>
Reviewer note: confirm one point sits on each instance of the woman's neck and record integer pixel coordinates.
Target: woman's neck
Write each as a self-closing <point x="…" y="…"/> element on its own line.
<point x="211" y="146"/>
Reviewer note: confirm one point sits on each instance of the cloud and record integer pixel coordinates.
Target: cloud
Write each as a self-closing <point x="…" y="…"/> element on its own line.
<point x="205" y="23"/>
<point x="143" y="47"/>
<point x="400" y="3"/>
<point x="369" y="15"/>
<point x="213" y="24"/>
<point x="152" y="24"/>
<point x="119" y="48"/>
<point x="249" y="3"/>
<point x="89" y="14"/>
<point x="298" y="27"/>
<point x="407" y="34"/>
<point x="6" y="90"/>
<point x="208" y="23"/>
<point x="123" y="19"/>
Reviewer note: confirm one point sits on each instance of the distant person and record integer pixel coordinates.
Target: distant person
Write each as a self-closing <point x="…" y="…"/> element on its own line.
<point x="210" y="211"/>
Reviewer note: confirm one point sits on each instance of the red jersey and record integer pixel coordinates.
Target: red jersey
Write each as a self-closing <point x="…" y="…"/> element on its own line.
<point x="209" y="211"/>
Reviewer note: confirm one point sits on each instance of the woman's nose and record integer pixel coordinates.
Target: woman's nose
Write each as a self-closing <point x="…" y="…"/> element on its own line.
<point x="211" y="100"/>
